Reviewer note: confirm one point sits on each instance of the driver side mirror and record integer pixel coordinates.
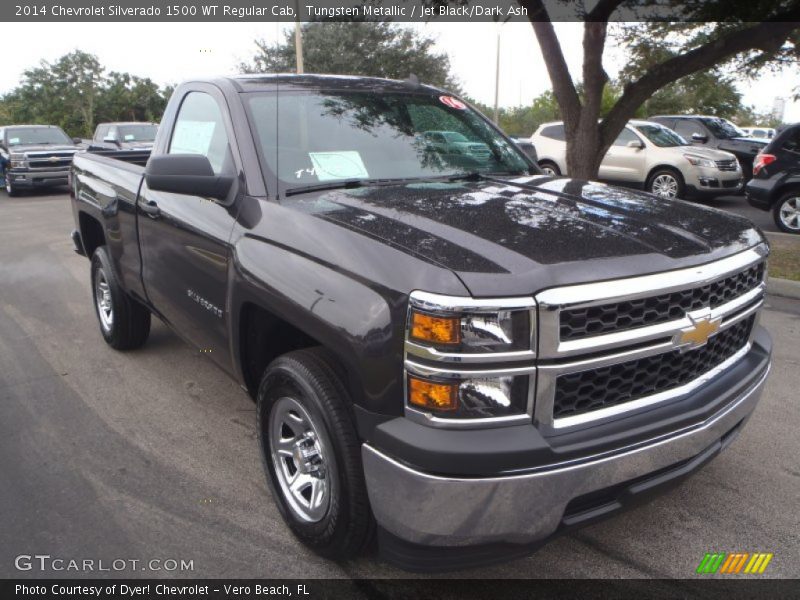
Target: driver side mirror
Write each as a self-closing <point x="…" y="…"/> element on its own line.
<point x="638" y="145"/>
<point x="77" y="141"/>
<point x="699" y="137"/>
<point x="189" y="174"/>
<point x="110" y="139"/>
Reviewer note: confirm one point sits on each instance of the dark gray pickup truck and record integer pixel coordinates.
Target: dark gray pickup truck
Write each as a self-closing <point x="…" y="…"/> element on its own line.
<point x="35" y="156"/>
<point x="448" y="349"/>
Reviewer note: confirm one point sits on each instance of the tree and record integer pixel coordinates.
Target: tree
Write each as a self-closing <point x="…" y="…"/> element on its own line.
<point x="368" y="48"/>
<point x="74" y="93"/>
<point x="663" y="52"/>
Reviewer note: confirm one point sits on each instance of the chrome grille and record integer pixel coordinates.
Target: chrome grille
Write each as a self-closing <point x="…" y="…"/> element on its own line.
<point x="584" y="391"/>
<point x="610" y="347"/>
<point x="726" y="165"/>
<point x="597" y="320"/>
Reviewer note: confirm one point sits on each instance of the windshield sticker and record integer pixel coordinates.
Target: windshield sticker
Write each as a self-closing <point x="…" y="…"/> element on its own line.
<point x="346" y="164"/>
<point x="129" y="137"/>
<point x="192" y="137"/>
<point x="452" y="102"/>
<point x="13" y="140"/>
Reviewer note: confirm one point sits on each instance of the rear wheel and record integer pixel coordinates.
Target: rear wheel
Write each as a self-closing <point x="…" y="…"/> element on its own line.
<point x="312" y="455"/>
<point x="666" y="183"/>
<point x="786" y="212"/>
<point x="549" y="168"/>
<point x="124" y="322"/>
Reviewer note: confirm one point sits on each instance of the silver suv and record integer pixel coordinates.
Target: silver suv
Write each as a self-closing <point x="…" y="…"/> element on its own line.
<point x="649" y="155"/>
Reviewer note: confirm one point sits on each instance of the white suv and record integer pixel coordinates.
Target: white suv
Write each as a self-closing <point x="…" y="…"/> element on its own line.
<point x="648" y="155"/>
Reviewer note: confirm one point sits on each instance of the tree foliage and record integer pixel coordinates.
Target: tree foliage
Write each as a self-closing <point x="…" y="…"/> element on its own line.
<point x="75" y="93"/>
<point x="367" y="48"/>
<point x="760" y="35"/>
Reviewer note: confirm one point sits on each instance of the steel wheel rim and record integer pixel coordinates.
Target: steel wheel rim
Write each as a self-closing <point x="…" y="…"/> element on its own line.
<point x="790" y="213"/>
<point x="548" y="170"/>
<point x="299" y="456"/>
<point x="103" y="301"/>
<point x="8" y="184"/>
<point x="665" y="186"/>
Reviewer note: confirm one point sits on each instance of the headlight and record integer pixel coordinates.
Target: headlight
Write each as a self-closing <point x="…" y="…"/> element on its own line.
<point x="18" y="162"/>
<point x="699" y="161"/>
<point x="459" y="353"/>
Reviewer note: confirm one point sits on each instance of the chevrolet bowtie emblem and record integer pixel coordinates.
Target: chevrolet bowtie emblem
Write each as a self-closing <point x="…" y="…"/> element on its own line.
<point x="703" y="327"/>
<point x="53" y="159"/>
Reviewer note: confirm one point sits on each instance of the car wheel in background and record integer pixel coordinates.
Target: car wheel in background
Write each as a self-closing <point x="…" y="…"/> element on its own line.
<point x="10" y="190"/>
<point x="312" y="455"/>
<point x="124" y="322"/>
<point x="549" y="168"/>
<point x="786" y="212"/>
<point x="666" y="183"/>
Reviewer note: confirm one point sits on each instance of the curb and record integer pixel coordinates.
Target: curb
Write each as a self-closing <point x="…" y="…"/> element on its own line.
<point x="783" y="287"/>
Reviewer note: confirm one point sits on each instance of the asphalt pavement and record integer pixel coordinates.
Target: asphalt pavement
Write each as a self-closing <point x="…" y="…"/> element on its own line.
<point x="152" y="454"/>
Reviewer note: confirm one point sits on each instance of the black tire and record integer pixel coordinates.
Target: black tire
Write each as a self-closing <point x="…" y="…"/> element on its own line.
<point x="10" y="189"/>
<point x="548" y="166"/>
<point x="130" y="321"/>
<point x="312" y="379"/>
<point x="662" y="175"/>
<point x="786" y="212"/>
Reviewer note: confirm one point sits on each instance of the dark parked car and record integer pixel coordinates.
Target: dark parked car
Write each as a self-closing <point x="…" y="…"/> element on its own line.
<point x="776" y="179"/>
<point x="454" y="350"/>
<point x="35" y="156"/>
<point x="714" y="132"/>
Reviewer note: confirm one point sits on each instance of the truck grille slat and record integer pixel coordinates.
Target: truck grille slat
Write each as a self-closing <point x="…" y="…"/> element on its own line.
<point x="597" y="320"/>
<point x="584" y="391"/>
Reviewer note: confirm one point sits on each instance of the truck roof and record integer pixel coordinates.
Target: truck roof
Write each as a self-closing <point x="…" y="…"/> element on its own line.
<point x="127" y="123"/>
<point x="255" y="82"/>
<point x="30" y="126"/>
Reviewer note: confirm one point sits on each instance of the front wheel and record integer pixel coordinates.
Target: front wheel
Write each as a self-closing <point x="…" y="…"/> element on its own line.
<point x="124" y="322"/>
<point x="10" y="189"/>
<point x="786" y="212"/>
<point x="667" y="184"/>
<point x="312" y="455"/>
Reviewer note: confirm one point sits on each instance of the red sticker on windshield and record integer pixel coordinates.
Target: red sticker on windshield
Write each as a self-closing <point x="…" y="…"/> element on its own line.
<point x="452" y="102"/>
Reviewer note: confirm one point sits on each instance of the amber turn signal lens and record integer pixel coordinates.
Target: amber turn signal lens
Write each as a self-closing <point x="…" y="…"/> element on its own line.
<point x="432" y="395"/>
<point x="435" y="330"/>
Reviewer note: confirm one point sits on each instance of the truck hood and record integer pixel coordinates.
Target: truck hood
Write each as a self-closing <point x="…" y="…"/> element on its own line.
<point x="524" y="234"/>
<point x="26" y="148"/>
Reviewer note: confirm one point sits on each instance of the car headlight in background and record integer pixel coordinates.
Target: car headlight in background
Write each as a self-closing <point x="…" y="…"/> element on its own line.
<point x="699" y="161"/>
<point x="457" y="355"/>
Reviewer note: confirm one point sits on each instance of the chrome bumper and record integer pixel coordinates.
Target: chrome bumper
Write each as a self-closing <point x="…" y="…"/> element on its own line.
<point x="440" y="511"/>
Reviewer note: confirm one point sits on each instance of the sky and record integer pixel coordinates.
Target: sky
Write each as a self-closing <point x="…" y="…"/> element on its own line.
<point x="171" y="52"/>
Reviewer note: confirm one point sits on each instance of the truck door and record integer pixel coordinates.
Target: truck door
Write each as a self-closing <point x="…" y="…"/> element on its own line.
<point x="185" y="239"/>
<point x="623" y="163"/>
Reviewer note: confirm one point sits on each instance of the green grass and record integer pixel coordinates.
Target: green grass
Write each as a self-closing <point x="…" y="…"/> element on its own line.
<point x="784" y="260"/>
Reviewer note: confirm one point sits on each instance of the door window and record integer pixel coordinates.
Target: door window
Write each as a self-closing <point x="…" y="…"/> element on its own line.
<point x="625" y="136"/>
<point x="686" y="128"/>
<point x="200" y="129"/>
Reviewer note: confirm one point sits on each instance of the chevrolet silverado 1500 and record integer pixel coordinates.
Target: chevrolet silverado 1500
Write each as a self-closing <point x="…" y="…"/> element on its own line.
<point x="449" y="350"/>
<point x="35" y="156"/>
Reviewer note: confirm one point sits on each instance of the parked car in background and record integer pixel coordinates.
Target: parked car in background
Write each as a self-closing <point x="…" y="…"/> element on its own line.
<point x="35" y="156"/>
<point x="652" y="157"/>
<point x="527" y="147"/>
<point x="454" y="142"/>
<point x="776" y="179"/>
<point x="714" y="132"/>
<point x="125" y="135"/>
<point x="761" y="133"/>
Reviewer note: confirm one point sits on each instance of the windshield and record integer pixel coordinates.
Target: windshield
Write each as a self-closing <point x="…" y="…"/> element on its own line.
<point x="722" y="128"/>
<point x="661" y="136"/>
<point x="137" y="133"/>
<point x="311" y="137"/>
<point x="36" y="135"/>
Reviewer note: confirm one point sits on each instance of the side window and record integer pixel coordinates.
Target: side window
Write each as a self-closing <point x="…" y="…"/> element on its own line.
<point x="200" y="129"/>
<point x="555" y="132"/>
<point x="102" y="133"/>
<point x="625" y="136"/>
<point x="685" y="128"/>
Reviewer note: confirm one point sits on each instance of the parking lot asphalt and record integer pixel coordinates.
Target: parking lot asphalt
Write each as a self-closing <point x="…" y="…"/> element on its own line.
<point x="153" y="454"/>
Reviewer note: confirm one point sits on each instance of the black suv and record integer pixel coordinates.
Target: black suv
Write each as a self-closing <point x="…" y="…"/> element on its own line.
<point x="715" y="132"/>
<point x="776" y="179"/>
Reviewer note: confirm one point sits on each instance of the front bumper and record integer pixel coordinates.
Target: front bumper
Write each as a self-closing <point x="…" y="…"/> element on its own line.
<point x="417" y="509"/>
<point x="704" y="181"/>
<point x="34" y="179"/>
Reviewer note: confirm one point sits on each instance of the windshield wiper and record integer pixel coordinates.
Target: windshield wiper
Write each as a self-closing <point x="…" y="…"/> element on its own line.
<point x="330" y="185"/>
